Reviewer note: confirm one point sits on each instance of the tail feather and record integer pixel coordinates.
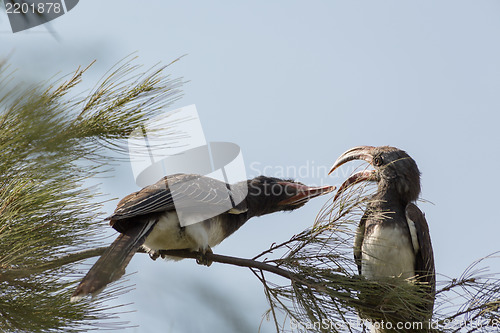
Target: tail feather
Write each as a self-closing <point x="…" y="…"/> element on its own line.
<point x="111" y="265"/>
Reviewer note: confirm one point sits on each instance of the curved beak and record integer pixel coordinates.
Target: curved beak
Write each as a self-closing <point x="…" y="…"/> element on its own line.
<point x="356" y="153"/>
<point x="304" y="193"/>
<point x="358" y="177"/>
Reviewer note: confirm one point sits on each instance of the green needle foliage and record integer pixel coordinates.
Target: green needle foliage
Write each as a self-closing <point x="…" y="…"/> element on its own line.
<point x="51" y="142"/>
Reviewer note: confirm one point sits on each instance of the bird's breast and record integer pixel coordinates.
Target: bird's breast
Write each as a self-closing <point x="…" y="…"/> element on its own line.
<point x="387" y="252"/>
<point x="169" y="235"/>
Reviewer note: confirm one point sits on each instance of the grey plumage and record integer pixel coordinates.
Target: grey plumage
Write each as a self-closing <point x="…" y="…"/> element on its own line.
<point x="392" y="239"/>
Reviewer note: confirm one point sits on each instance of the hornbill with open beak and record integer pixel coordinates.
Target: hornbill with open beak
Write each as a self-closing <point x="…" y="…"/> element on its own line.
<point x="392" y="239"/>
<point x="148" y="218"/>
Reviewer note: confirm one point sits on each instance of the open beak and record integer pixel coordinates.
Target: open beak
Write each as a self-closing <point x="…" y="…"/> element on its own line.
<point x="356" y="153"/>
<point x="358" y="177"/>
<point x="304" y="193"/>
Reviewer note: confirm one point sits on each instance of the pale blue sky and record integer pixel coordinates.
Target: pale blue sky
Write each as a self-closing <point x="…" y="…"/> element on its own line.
<point x="298" y="83"/>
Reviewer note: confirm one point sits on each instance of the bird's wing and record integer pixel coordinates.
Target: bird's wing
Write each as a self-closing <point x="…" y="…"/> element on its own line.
<point x="184" y="189"/>
<point x="358" y="241"/>
<point x="421" y="240"/>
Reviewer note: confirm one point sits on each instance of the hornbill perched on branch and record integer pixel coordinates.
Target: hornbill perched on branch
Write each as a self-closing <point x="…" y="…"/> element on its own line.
<point x="392" y="239"/>
<point x="149" y="218"/>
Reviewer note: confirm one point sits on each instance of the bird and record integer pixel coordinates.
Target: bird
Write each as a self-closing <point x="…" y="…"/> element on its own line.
<point x="392" y="239"/>
<point x="150" y="218"/>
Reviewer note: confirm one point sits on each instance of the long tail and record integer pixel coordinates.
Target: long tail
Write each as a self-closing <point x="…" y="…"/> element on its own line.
<point x="111" y="265"/>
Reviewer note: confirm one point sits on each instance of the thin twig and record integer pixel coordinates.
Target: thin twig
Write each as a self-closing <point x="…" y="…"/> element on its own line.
<point x="232" y="261"/>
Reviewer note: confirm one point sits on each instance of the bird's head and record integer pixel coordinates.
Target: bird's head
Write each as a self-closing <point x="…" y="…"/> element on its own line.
<point x="268" y="194"/>
<point x="394" y="170"/>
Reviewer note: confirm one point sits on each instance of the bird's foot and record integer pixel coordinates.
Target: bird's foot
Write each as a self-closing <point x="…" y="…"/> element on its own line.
<point x="202" y="258"/>
<point x="153" y="254"/>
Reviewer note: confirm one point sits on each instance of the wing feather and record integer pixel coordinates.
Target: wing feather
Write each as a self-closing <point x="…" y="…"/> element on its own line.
<point x="358" y="241"/>
<point x="186" y="190"/>
<point x="424" y="256"/>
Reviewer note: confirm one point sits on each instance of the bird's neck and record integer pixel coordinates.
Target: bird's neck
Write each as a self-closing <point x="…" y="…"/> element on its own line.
<point x="256" y="207"/>
<point x="389" y="195"/>
<point x="232" y="222"/>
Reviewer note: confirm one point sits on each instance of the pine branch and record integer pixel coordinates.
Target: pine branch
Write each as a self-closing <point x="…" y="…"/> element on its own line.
<point x="52" y="140"/>
<point x="8" y="274"/>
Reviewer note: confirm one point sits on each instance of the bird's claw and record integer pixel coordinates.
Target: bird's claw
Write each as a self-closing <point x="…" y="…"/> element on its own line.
<point x="202" y="257"/>
<point x="154" y="254"/>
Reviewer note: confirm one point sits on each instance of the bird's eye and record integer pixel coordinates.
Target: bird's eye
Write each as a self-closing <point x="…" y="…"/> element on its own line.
<point x="377" y="161"/>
